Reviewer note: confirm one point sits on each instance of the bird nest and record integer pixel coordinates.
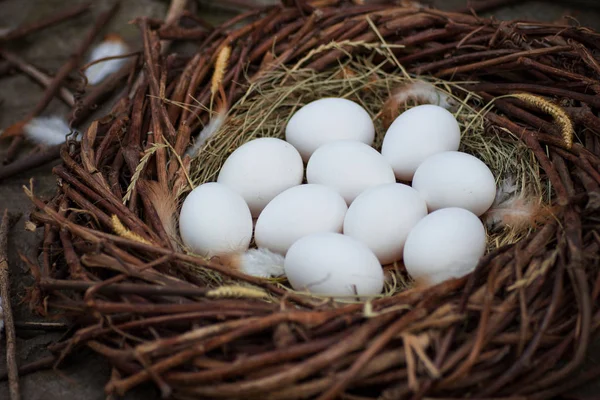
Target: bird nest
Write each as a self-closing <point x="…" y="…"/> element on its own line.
<point x="519" y="325"/>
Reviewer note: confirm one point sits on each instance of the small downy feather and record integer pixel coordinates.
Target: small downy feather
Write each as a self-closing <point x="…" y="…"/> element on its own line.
<point x="261" y="263"/>
<point x="165" y="204"/>
<point x="209" y="130"/>
<point x="47" y="131"/>
<point x="418" y="92"/>
<point x="514" y="209"/>
<point x="112" y="46"/>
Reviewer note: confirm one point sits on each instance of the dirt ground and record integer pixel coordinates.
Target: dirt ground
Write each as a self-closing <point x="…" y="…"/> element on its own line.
<point x="84" y="375"/>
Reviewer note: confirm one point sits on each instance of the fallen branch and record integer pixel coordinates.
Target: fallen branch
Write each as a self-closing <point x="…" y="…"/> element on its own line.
<point x="26" y="29"/>
<point x="27" y="163"/>
<point x="37" y="75"/>
<point x="9" y="325"/>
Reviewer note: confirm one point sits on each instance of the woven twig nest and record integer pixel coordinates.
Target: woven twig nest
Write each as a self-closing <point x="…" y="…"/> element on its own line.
<point x="519" y="325"/>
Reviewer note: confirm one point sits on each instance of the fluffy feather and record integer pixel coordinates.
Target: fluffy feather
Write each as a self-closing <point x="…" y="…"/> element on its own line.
<point x="165" y="204"/>
<point x="261" y="263"/>
<point x="112" y="46"/>
<point x="47" y="131"/>
<point x="214" y="124"/>
<point x="513" y="209"/>
<point x="418" y="92"/>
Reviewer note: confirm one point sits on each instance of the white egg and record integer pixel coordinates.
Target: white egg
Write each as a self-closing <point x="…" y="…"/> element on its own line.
<point x="446" y="244"/>
<point x="215" y="220"/>
<point x="349" y="167"/>
<point x="327" y="120"/>
<point x="382" y="218"/>
<point x="417" y="134"/>
<point x="455" y="179"/>
<point x="332" y="264"/>
<point x="298" y="212"/>
<point x="261" y="169"/>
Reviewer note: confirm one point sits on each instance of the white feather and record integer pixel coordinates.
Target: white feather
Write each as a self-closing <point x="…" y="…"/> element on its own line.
<point x="262" y="263"/>
<point x="425" y="92"/>
<point x="207" y="132"/>
<point x="505" y="190"/>
<point x="512" y="208"/>
<point x="109" y="48"/>
<point x="47" y="131"/>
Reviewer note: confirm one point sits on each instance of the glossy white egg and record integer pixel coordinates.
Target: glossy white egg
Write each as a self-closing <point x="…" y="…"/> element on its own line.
<point x="215" y="220"/>
<point x="332" y="264"/>
<point x="298" y="212"/>
<point x="455" y="179"/>
<point x="261" y="169"/>
<point x="447" y="243"/>
<point x="417" y="134"/>
<point x="349" y="167"/>
<point x="327" y="120"/>
<point x="382" y="217"/>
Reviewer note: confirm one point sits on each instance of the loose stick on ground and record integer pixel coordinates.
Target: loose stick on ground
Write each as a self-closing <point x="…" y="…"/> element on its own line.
<point x="27" y="163"/>
<point x="26" y="29"/>
<point x="34" y="366"/>
<point x="9" y="325"/>
<point x="65" y="95"/>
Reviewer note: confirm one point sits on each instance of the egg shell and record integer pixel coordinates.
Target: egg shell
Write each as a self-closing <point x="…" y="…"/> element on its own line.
<point x="332" y="264"/>
<point x="446" y="244"/>
<point x="261" y="169"/>
<point x="327" y="120"/>
<point x="215" y="220"/>
<point x="349" y="167"/>
<point x="417" y="134"/>
<point x="455" y="179"/>
<point x="298" y="212"/>
<point x="382" y="217"/>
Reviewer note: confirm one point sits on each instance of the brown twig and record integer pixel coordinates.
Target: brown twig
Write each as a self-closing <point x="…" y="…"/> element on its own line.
<point x="9" y="325"/>
<point x="176" y="9"/>
<point x="41" y="326"/>
<point x="65" y="95"/>
<point x="27" y="163"/>
<point x="45" y="22"/>
<point x="42" y="363"/>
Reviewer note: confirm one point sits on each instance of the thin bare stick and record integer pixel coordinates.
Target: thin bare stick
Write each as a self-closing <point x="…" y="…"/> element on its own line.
<point x="175" y="11"/>
<point x="25" y="30"/>
<point x="63" y="93"/>
<point x="26" y="163"/>
<point x="34" y="366"/>
<point x="9" y="324"/>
